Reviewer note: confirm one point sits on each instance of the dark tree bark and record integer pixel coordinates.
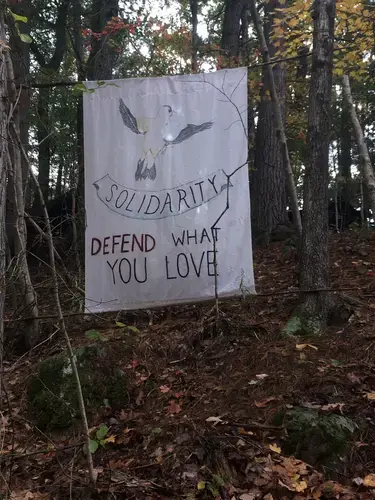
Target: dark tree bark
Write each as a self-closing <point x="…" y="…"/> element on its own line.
<point x="278" y="118"/>
<point x="51" y="66"/>
<point x="311" y="318"/>
<point x="3" y="179"/>
<point x="194" y="26"/>
<point x="17" y="195"/>
<point x="268" y="180"/>
<point x="102" y="56"/>
<point x="58" y="189"/>
<point x="20" y="53"/>
<point x="44" y="140"/>
<point x="233" y="14"/>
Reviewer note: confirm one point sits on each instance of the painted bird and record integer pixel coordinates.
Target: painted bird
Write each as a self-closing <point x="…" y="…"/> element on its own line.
<point x="157" y="136"/>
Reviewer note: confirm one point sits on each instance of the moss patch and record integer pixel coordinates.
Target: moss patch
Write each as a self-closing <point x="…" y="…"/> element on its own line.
<point x="52" y="392"/>
<point x="318" y="439"/>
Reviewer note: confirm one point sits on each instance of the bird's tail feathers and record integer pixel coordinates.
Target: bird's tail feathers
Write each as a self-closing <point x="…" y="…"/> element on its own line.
<point x="145" y="173"/>
<point x="149" y="173"/>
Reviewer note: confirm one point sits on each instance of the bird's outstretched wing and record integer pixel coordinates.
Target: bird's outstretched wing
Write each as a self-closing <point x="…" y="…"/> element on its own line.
<point x="128" y="118"/>
<point x="188" y="132"/>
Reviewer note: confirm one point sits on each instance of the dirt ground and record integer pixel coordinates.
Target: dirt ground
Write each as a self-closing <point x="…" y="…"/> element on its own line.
<point x="203" y="396"/>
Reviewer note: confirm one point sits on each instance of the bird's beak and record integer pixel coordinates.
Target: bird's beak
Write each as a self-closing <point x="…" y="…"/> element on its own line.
<point x="170" y="110"/>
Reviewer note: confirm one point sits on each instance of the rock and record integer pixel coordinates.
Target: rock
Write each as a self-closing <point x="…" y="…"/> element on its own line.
<point x="315" y="437"/>
<point x="52" y="393"/>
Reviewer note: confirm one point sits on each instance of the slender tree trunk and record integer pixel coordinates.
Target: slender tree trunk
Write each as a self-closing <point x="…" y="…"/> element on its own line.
<point x="345" y="155"/>
<point x="20" y="53"/>
<point x="244" y="35"/>
<point x="3" y="178"/>
<point x="44" y="141"/>
<point x="15" y="182"/>
<point x="194" y="41"/>
<point x="268" y="181"/>
<point x="313" y="314"/>
<point x="58" y="189"/>
<point x="279" y="126"/>
<point x="102" y="56"/>
<point x="368" y="172"/>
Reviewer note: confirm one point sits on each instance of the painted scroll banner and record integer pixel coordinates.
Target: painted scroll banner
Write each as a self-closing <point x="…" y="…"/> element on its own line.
<point x="165" y="217"/>
<point x="138" y="204"/>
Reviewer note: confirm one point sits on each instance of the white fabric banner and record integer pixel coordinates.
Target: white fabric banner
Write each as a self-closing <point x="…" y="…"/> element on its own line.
<point x="164" y="158"/>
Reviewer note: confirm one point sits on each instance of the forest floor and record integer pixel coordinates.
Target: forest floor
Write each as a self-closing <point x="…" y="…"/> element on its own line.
<point x="202" y="401"/>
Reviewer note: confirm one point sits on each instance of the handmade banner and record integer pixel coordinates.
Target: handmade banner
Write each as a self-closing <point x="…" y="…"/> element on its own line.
<point x="166" y="190"/>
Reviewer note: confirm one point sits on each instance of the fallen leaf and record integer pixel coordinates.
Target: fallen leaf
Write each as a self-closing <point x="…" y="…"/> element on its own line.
<point x="300" y="347"/>
<point x="135" y="363"/>
<point x="370" y="396"/>
<point x="110" y="439"/>
<point x="261" y="376"/>
<point x="275" y="448"/>
<point x="174" y="407"/>
<point x="164" y="389"/>
<point x="358" y="481"/>
<point x="246" y="433"/>
<point x="333" y="406"/>
<point x="369" y="481"/>
<point x="214" y="420"/>
<point x="201" y="485"/>
<point x="264" y="402"/>
<point x="301" y="486"/>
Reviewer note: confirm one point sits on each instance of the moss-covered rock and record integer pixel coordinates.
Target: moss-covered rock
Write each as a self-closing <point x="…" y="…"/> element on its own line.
<point x="315" y="437"/>
<point x="52" y="392"/>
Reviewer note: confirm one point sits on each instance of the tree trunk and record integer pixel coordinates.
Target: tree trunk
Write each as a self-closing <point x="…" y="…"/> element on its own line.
<point x="3" y="175"/>
<point x="102" y="56"/>
<point x="268" y="181"/>
<point x="365" y="162"/>
<point x="50" y="69"/>
<point x="44" y="141"/>
<point x="311" y="318"/>
<point x="194" y="40"/>
<point x="345" y="161"/>
<point x="279" y="126"/>
<point x="58" y="190"/>
<point x="15" y="178"/>
<point x="20" y="53"/>
<point x="230" y="39"/>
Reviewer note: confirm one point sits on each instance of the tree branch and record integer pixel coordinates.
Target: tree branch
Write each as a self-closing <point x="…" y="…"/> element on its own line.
<point x="60" y="46"/>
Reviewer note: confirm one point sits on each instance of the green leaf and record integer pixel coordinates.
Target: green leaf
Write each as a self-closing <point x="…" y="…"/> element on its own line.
<point x="80" y="87"/>
<point x="17" y="18"/>
<point x="201" y="485"/>
<point x="214" y="491"/>
<point x="337" y="362"/>
<point x="102" y="432"/>
<point x="100" y="83"/>
<point x="26" y="38"/>
<point x="133" y="329"/>
<point x="94" y="445"/>
<point x="219" y="481"/>
<point x="93" y="335"/>
<point x="157" y="430"/>
<point x="121" y="325"/>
